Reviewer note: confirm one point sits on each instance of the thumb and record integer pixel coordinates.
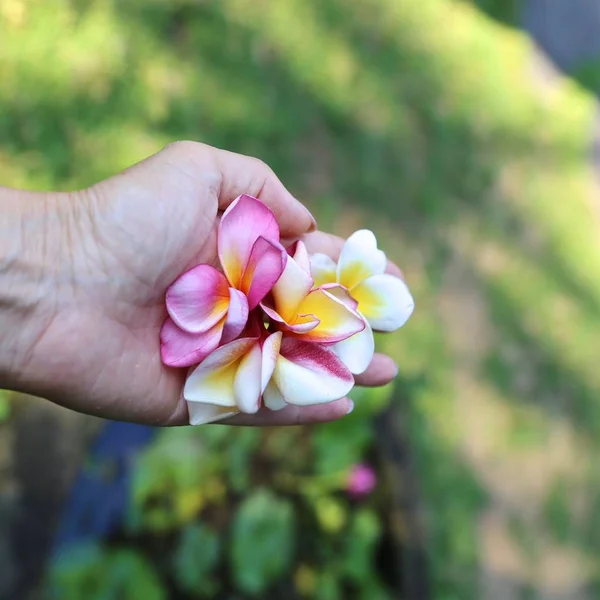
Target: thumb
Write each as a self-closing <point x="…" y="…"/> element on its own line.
<point x="229" y="175"/>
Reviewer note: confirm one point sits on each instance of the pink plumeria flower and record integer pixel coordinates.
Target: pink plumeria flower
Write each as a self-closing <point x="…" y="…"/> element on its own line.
<point x="311" y="314"/>
<point x="207" y="308"/>
<point x="303" y="373"/>
<point x="361" y="481"/>
<point x="279" y="369"/>
<point x="384" y="301"/>
<point x="230" y="380"/>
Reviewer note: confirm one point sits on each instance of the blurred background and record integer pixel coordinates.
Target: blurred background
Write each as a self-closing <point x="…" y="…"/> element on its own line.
<point x="465" y="134"/>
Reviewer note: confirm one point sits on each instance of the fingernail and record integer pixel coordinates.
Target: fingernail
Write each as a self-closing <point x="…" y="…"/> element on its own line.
<point x="350" y="407"/>
<point x="313" y="225"/>
<point x="396" y="370"/>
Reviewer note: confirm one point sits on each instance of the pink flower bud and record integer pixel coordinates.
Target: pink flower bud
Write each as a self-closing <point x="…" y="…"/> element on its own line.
<point x="361" y="481"/>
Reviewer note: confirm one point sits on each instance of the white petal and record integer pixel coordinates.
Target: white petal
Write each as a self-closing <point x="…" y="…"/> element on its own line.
<point x="308" y="373"/>
<point x="323" y="269"/>
<point x="360" y="259"/>
<point x="247" y="382"/>
<point x="272" y="397"/>
<point x="385" y="301"/>
<point x="270" y="353"/>
<point x="211" y="382"/>
<point x="200" y="413"/>
<point x="357" y="351"/>
<point x="290" y="289"/>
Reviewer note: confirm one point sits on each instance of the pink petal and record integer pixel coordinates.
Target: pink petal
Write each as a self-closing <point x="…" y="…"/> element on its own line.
<point x="237" y="316"/>
<point x="308" y="373"/>
<point x="241" y="225"/>
<point x="198" y="299"/>
<point x="265" y="266"/>
<point x="179" y="348"/>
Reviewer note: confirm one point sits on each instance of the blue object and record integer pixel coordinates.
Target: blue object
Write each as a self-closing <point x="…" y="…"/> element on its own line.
<point x="98" y="498"/>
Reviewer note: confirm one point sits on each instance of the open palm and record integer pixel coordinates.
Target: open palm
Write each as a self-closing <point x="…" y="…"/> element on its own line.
<point x="122" y="243"/>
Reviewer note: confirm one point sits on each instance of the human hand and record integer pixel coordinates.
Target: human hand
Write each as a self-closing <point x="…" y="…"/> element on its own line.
<point x="90" y="339"/>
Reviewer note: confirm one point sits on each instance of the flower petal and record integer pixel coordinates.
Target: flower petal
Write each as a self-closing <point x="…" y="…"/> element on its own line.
<point x="336" y="320"/>
<point x="360" y="259"/>
<point x="212" y="380"/>
<point x="241" y="225"/>
<point x="179" y="348"/>
<point x="323" y="269"/>
<point x="237" y="316"/>
<point x="302" y="323"/>
<point x="270" y="353"/>
<point x="299" y="253"/>
<point x="265" y="266"/>
<point x="291" y="288"/>
<point x="272" y="397"/>
<point x="247" y="383"/>
<point x="385" y="302"/>
<point x="198" y="299"/>
<point x="310" y="374"/>
<point x="341" y="293"/>
<point x="356" y="352"/>
<point x="201" y="414"/>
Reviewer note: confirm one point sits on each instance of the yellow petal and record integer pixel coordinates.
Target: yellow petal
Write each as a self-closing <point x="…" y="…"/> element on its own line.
<point x="336" y="320"/>
<point x="360" y="259"/>
<point x="385" y="302"/>
<point x="322" y="269"/>
<point x="290" y="289"/>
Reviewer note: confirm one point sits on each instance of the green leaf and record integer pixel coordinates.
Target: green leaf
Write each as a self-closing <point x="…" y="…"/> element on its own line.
<point x="75" y="571"/>
<point x="195" y="558"/>
<point x="362" y="536"/>
<point x="130" y="577"/>
<point x="262" y="541"/>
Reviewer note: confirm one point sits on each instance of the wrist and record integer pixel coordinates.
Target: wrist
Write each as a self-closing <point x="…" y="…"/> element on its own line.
<point x="32" y="254"/>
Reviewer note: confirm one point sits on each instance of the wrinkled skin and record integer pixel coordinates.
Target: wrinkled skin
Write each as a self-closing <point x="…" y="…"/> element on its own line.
<point x="87" y="304"/>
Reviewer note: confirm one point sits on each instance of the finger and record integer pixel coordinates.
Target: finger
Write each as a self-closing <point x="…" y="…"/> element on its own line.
<point x="380" y="372"/>
<point x="331" y="245"/>
<point x="294" y="415"/>
<point x="247" y="175"/>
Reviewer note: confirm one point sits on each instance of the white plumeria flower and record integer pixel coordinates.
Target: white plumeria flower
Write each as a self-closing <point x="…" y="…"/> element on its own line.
<point x="383" y="300"/>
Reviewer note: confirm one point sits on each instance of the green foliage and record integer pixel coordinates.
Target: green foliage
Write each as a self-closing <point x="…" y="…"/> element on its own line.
<point x="97" y="574"/>
<point x="196" y="557"/>
<point x="4" y="406"/>
<point x="262" y="541"/>
<point x="358" y="556"/>
<point x="418" y="120"/>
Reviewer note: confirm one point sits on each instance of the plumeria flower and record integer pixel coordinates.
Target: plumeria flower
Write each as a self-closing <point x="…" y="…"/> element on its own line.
<point x="207" y="308"/>
<point x="383" y="300"/>
<point x="280" y="369"/>
<point x="309" y="313"/>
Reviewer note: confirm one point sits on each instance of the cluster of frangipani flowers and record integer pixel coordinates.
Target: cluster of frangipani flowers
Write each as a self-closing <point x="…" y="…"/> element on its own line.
<point x="276" y="326"/>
